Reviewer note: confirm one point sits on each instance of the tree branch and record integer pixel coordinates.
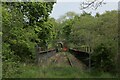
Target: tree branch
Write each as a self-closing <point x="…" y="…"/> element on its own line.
<point x="91" y="4"/>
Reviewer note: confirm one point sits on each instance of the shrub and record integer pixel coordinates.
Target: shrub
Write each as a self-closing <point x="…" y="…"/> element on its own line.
<point x="102" y="58"/>
<point x="10" y="62"/>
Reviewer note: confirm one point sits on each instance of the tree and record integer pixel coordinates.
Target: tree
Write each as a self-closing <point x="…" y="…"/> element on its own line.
<point x="23" y="28"/>
<point x="99" y="33"/>
<point x="102" y="58"/>
<point x="34" y="14"/>
<point x="68" y="15"/>
<point x="94" y="4"/>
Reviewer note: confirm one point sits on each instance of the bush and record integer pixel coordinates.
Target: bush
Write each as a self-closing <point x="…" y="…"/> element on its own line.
<point x="10" y="62"/>
<point x="102" y="58"/>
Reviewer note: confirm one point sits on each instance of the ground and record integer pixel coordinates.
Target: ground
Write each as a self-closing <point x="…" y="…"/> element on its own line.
<point x="58" y="67"/>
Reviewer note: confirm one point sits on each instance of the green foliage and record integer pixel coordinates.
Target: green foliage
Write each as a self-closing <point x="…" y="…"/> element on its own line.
<point x="88" y="32"/>
<point x="24" y="26"/>
<point x="33" y="71"/>
<point x="33" y="11"/>
<point x="23" y="45"/>
<point x="67" y="29"/>
<point x="102" y="58"/>
<point x="18" y="38"/>
<point x="10" y="61"/>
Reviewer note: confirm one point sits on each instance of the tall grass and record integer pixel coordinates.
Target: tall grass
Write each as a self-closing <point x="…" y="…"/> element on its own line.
<point x="57" y="71"/>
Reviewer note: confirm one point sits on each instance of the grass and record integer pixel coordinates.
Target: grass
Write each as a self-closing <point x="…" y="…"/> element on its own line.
<point x="56" y="71"/>
<point x="52" y="71"/>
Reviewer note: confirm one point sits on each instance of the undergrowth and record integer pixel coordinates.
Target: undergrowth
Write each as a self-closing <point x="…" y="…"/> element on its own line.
<point x="56" y="71"/>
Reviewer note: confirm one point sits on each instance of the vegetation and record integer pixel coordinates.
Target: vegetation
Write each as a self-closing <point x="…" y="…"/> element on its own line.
<point x="23" y="28"/>
<point x="56" y="71"/>
<point x="98" y="33"/>
<point x="26" y="25"/>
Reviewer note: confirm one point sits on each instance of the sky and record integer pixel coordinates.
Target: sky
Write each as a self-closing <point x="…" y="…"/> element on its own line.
<point x="62" y="7"/>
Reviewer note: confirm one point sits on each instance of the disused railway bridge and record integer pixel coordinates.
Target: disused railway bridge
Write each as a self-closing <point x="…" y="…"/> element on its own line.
<point x="43" y="56"/>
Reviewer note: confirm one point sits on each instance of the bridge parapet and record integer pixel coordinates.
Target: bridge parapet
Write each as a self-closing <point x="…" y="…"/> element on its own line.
<point x="42" y="56"/>
<point x="81" y="55"/>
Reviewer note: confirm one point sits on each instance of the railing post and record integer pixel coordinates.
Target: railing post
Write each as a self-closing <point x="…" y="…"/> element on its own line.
<point x="38" y="49"/>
